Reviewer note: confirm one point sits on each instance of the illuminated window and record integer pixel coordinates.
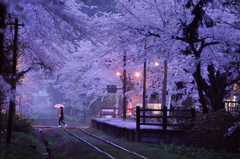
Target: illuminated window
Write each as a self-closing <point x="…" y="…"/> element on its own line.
<point x="235" y="86"/>
<point x="234" y="98"/>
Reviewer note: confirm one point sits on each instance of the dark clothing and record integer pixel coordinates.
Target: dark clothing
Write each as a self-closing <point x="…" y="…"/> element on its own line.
<point x="61" y="117"/>
<point x="60" y="120"/>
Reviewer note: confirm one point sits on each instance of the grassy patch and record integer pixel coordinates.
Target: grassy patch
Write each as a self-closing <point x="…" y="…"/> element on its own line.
<point x="141" y="148"/>
<point x="63" y="145"/>
<point x="35" y="116"/>
<point x="60" y="145"/>
<point x="18" y="151"/>
<point x="193" y="152"/>
<point x="24" y="142"/>
<point x="165" y="150"/>
<point x="22" y="146"/>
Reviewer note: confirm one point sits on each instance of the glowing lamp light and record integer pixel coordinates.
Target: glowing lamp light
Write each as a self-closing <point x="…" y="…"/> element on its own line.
<point x="156" y="64"/>
<point x="118" y="73"/>
<point x="137" y="74"/>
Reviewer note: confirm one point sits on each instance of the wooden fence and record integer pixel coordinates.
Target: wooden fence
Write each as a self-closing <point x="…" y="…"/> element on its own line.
<point x="179" y="117"/>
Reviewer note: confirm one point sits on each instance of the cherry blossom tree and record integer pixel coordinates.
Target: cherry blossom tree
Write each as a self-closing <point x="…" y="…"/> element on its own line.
<point x="154" y="30"/>
<point x="220" y="74"/>
<point x="83" y="77"/>
<point x="31" y="84"/>
<point x="48" y="36"/>
<point x="191" y="35"/>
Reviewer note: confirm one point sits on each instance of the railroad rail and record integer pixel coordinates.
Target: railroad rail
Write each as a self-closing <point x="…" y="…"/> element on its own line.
<point x="94" y="136"/>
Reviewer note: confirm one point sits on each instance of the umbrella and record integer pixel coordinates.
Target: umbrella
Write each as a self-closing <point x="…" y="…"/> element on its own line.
<point x="58" y="105"/>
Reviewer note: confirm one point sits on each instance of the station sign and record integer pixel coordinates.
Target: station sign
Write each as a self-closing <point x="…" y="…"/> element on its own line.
<point x="112" y="88"/>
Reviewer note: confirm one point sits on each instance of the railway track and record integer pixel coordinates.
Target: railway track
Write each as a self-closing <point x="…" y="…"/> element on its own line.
<point x="91" y="139"/>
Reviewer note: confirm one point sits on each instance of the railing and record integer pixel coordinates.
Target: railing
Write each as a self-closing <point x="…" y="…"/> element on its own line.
<point x="109" y="111"/>
<point x="179" y="117"/>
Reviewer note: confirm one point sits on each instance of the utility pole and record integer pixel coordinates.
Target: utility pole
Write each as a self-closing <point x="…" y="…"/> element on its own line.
<point x="164" y="93"/>
<point x="124" y="86"/>
<point x="3" y="12"/>
<point x="13" y="84"/>
<point x="144" y="90"/>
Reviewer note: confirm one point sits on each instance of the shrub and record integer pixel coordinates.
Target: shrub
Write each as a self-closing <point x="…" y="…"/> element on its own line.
<point x="20" y="124"/>
<point x="209" y="131"/>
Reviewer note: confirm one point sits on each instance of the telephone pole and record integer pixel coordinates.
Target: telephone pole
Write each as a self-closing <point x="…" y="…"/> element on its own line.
<point x="144" y="90"/>
<point x="13" y="83"/>
<point x="3" y="12"/>
<point x="124" y="86"/>
<point x="164" y="93"/>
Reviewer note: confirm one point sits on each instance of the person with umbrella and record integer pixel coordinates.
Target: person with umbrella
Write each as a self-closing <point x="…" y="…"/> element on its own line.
<point x="61" y="117"/>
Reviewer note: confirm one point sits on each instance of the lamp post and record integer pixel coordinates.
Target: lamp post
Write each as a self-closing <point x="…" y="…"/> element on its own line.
<point x="144" y="91"/>
<point x="124" y="86"/>
<point x="164" y="84"/>
<point x="124" y="79"/>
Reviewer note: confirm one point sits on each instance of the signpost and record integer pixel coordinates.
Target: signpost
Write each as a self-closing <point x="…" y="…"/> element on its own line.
<point x="112" y="88"/>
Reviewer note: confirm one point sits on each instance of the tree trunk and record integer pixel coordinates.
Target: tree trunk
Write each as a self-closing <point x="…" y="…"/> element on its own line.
<point x="198" y="78"/>
<point x="217" y="90"/>
<point x="217" y="102"/>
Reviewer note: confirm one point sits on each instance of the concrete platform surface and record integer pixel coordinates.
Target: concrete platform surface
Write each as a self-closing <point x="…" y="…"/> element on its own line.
<point x="129" y="124"/>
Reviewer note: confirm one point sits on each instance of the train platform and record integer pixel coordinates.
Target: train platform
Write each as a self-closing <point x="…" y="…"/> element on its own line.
<point x="127" y="123"/>
<point x="147" y="133"/>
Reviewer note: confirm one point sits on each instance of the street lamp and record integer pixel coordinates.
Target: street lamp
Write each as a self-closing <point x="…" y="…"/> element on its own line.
<point x="124" y="79"/>
<point x="164" y="84"/>
<point x="157" y="64"/>
<point x="137" y="74"/>
<point x="144" y="91"/>
<point x="118" y="74"/>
